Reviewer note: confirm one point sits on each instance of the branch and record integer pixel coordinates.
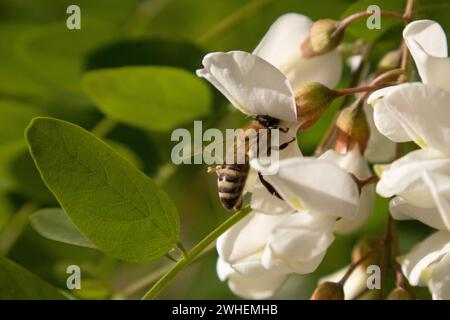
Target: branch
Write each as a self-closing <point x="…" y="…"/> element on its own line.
<point x="193" y="253"/>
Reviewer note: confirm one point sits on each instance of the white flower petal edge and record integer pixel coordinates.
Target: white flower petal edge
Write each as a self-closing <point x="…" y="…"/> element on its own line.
<point x="379" y="148"/>
<point x="252" y="85"/>
<point x="281" y="47"/>
<point x="243" y="244"/>
<point x="250" y="288"/>
<point x="299" y="243"/>
<point x="428" y="252"/>
<point x="404" y="177"/>
<point x="402" y="210"/>
<point x="439" y="283"/>
<point x="353" y="162"/>
<point x="427" y="43"/>
<point x="266" y="203"/>
<point x="315" y="185"/>
<point x="422" y="111"/>
<point x="439" y="185"/>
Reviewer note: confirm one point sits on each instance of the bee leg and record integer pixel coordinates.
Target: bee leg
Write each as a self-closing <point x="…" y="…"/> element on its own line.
<point x="269" y="187"/>
<point x="283" y="129"/>
<point x="282" y="146"/>
<point x="238" y="204"/>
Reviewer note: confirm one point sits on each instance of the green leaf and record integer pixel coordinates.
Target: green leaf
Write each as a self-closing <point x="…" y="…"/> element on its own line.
<point x="17" y="283"/>
<point x="153" y="98"/>
<point x="54" y="224"/>
<point x="111" y="202"/>
<point x="55" y="56"/>
<point x="126" y="153"/>
<point x="359" y="28"/>
<point x="146" y="52"/>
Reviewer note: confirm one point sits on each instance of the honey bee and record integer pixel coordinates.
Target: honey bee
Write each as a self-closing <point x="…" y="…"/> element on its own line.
<point x="233" y="176"/>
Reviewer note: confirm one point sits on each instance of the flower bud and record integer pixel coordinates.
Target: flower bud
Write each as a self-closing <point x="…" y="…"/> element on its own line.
<point x="352" y="129"/>
<point x="400" y="294"/>
<point x="312" y="99"/>
<point x="390" y="61"/>
<point x="363" y="247"/>
<point x="328" y="291"/>
<point x="324" y="36"/>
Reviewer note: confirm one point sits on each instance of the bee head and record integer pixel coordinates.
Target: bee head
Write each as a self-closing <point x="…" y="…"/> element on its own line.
<point x="267" y="121"/>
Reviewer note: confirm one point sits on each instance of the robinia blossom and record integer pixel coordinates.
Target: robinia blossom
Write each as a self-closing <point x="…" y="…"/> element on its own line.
<point x="353" y="162"/>
<point x="264" y="82"/>
<point x="286" y="236"/>
<point x="419" y="112"/>
<point x="428" y="264"/>
<point x="420" y="180"/>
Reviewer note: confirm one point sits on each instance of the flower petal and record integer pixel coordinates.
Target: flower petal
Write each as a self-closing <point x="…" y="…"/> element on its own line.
<point x="402" y="210"/>
<point x="299" y="242"/>
<point x="264" y="202"/>
<point x="252" y="85"/>
<point x="422" y="110"/>
<point x="439" y="185"/>
<point x="250" y="288"/>
<point x="439" y="283"/>
<point x="404" y="177"/>
<point x="385" y="121"/>
<point x="353" y="162"/>
<point x="423" y="255"/>
<point x="379" y="148"/>
<point x="427" y="43"/>
<point x="247" y="238"/>
<point x="281" y="47"/>
<point x="316" y="185"/>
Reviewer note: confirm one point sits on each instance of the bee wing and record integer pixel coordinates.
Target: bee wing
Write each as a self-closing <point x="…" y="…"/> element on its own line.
<point x="208" y="148"/>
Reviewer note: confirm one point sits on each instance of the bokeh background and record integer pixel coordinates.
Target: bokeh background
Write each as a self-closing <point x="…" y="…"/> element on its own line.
<point x="41" y="64"/>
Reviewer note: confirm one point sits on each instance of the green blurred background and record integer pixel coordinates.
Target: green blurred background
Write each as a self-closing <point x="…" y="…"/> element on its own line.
<point x="41" y="64"/>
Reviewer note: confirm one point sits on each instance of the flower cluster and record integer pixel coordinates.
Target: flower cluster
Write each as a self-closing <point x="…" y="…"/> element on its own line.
<point x="289" y="232"/>
<point x="419" y="182"/>
<point x="299" y="205"/>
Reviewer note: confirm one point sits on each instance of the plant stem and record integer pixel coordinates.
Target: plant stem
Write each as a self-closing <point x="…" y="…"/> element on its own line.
<point x="364" y="14"/>
<point x="354" y="265"/>
<point x="17" y="224"/>
<point x="103" y="127"/>
<point x="193" y="253"/>
<point x="357" y="75"/>
<point x="347" y="91"/>
<point x="153" y="277"/>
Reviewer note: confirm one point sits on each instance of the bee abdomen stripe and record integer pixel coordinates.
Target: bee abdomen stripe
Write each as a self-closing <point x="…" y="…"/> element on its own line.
<point x="231" y="178"/>
<point x="231" y="190"/>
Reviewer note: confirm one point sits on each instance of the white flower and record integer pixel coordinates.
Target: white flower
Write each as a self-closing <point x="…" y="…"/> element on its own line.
<point x="261" y="287"/>
<point x="263" y="83"/>
<point x="379" y="148"/>
<point x="428" y="264"/>
<point x="311" y="184"/>
<point x="260" y="251"/>
<point x="291" y="235"/>
<point x="353" y="162"/>
<point x="419" y="112"/>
